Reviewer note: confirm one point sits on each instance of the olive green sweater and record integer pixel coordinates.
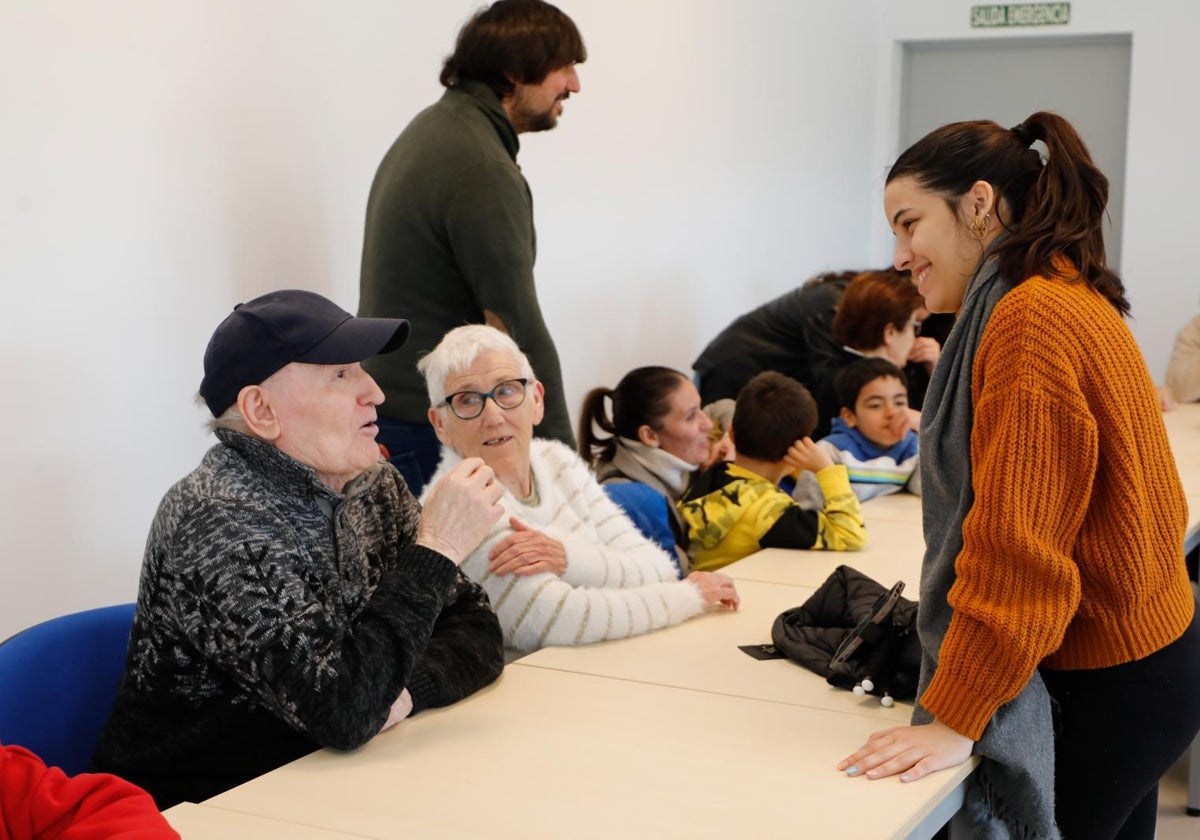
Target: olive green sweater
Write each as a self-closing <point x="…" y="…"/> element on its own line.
<point x="449" y="241"/>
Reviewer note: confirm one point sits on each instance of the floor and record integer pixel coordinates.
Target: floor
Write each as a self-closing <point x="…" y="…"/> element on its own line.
<point x="1173" y="821"/>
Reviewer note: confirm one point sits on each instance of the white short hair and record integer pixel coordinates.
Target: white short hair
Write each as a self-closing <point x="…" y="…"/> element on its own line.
<point x="230" y="418"/>
<point x="459" y="349"/>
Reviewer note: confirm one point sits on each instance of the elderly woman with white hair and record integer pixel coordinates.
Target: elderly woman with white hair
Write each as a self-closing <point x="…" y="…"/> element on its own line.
<point x="565" y="566"/>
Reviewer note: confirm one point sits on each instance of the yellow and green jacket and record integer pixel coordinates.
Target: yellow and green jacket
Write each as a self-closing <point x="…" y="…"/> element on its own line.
<point x="731" y="512"/>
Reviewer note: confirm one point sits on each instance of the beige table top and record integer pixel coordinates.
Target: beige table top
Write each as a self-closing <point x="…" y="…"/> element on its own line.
<point x="893" y="552"/>
<point x="546" y="753"/>
<point x="894" y="507"/>
<point x="703" y="654"/>
<point x="202" y="822"/>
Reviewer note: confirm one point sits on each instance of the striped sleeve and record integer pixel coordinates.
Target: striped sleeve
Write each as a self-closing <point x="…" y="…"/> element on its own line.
<point x="539" y="610"/>
<point x="604" y="548"/>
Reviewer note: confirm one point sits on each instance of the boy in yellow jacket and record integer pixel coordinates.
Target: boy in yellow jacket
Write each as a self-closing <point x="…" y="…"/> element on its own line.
<point x="734" y="509"/>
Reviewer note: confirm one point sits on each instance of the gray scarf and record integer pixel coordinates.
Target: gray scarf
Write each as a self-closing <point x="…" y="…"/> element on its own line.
<point x="1012" y="792"/>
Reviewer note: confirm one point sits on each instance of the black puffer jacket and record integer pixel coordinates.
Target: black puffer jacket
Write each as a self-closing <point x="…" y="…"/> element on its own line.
<point x="849" y="605"/>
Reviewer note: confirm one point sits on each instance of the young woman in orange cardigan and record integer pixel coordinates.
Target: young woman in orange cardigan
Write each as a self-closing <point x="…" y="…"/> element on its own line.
<point x="1056" y="618"/>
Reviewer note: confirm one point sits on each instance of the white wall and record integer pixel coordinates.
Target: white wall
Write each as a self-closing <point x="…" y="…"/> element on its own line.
<point x="1161" y="173"/>
<point x="160" y="162"/>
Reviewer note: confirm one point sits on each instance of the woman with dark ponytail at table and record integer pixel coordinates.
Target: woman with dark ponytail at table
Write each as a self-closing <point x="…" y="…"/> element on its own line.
<point x="651" y="430"/>
<point x="1054" y="517"/>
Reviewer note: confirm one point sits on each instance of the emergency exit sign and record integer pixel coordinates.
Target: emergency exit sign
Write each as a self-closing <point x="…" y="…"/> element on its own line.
<point x="1020" y="14"/>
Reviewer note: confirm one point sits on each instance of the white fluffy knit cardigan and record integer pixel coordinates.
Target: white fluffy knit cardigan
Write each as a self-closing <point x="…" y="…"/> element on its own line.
<point x="617" y="582"/>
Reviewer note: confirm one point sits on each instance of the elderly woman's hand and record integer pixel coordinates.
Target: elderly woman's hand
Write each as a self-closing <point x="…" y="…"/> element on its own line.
<point x="526" y="552"/>
<point x="460" y="510"/>
<point x="716" y="589"/>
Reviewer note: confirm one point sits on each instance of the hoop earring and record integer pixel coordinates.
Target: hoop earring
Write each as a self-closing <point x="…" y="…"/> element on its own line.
<point x="979" y="226"/>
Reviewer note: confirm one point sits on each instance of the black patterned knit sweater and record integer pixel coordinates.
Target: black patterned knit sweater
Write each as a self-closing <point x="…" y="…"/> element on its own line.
<point x="275" y="616"/>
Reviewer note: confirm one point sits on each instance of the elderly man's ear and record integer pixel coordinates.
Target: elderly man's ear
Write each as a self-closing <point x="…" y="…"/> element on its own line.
<point x="254" y="404"/>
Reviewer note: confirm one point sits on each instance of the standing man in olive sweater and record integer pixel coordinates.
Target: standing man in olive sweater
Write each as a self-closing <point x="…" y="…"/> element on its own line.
<point x="449" y="234"/>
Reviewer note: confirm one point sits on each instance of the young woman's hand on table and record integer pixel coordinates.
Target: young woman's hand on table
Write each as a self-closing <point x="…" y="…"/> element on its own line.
<point x="911" y="751"/>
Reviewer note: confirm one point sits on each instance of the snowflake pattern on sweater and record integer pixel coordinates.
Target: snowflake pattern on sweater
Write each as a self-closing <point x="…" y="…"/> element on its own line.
<point x="275" y="616"/>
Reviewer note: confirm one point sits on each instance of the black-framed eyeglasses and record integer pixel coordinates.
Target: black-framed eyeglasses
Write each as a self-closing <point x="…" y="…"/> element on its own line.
<point x="467" y="405"/>
<point x="916" y="327"/>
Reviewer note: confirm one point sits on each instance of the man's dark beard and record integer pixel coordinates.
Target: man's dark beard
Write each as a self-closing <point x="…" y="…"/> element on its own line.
<point x="541" y="122"/>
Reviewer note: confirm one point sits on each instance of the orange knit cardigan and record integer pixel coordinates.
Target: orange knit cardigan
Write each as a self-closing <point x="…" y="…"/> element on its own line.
<point x="1073" y="550"/>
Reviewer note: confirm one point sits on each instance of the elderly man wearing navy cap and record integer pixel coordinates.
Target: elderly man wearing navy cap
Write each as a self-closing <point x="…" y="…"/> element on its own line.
<point x="293" y="594"/>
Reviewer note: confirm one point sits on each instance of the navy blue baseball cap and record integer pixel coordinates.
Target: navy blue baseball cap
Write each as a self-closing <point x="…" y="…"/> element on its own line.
<point x="263" y="335"/>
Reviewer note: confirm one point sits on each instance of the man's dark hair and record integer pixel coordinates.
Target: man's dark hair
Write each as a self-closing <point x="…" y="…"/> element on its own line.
<point x="772" y="412"/>
<point x="850" y="380"/>
<point x="513" y="41"/>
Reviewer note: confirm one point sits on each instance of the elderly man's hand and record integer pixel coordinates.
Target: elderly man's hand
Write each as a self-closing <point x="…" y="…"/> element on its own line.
<point x="401" y="709"/>
<point x="717" y="590"/>
<point x="526" y="552"/>
<point x="460" y="510"/>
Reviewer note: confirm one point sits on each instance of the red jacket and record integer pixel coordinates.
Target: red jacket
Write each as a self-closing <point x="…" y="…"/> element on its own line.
<point x="42" y="802"/>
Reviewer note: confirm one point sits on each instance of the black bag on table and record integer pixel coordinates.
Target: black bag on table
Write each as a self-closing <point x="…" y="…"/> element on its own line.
<point x="853" y="628"/>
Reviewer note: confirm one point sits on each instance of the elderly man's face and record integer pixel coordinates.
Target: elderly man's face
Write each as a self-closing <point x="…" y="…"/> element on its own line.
<point x="499" y="436"/>
<point x="326" y="416"/>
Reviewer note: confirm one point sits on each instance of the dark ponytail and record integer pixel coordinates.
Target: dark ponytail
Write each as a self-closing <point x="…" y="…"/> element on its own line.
<point x="592" y="448"/>
<point x="642" y="397"/>
<point x="1055" y="205"/>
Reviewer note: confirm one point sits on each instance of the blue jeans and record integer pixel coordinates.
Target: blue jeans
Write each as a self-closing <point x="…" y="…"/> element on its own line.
<point x="413" y="449"/>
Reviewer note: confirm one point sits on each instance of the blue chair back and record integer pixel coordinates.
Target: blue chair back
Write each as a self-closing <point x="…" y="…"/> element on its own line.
<point x="58" y="681"/>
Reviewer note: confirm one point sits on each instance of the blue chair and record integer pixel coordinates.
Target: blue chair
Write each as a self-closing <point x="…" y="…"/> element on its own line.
<point x="648" y="510"/>
<point x="58" y="681"/>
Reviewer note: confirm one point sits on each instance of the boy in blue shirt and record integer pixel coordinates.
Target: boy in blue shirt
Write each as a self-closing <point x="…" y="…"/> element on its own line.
<point x="872" y="436"/>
